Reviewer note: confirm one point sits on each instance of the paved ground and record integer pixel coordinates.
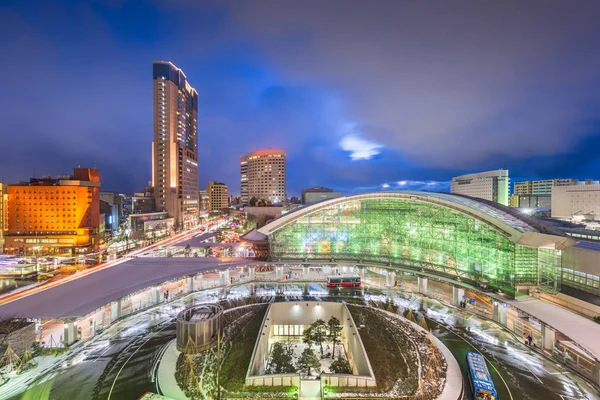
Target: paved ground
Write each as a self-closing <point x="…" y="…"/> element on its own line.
<point x="121" y="362"/>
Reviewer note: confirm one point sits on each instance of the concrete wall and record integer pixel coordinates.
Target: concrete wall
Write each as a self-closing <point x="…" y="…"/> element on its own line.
<point x="582" y="260"/>
<point x="274" y="380"/>
<point x="271" y="212"/>
<point x="578" y="199"/>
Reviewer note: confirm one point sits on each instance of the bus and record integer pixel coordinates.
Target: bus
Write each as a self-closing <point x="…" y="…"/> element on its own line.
<point x="480" y="378"/>
<point x="343" y="281"/>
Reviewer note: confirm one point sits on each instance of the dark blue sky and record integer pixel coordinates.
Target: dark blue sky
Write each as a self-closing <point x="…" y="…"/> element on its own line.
<point x="359" y="93"/>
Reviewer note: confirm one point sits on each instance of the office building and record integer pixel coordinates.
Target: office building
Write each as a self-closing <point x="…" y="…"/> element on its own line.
<point x="540" y="187"/>
<point x="151" y="226"/>
<point x="175" y="145"/>
<point x="536" y="194"/>
<point x="140" y="202"/>
<point x="318" y="193"/>
<point x="3" y="194"/>
<point x="110" y="212"/>
<point x="489" y="185"/>
<point x="204" y="201"/>
<point x="531" y="201"/>
<point x="218" y="196"/>
<point x="264" y="171"/>
<point x="580" y="201"/>
<point x="54" y="216"/>
<point x="244" y="180"/>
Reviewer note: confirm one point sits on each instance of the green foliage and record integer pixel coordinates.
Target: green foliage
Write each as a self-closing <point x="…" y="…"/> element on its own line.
<point x="308" y="337"/>
<point x="308" y="360"/>
<point x="37" y="350"/>
<point x="252" y="202"/>
<point x="281" y="360"/>
<point x="391" y="354"/>
<point x="340" y="366"/>
<point x="597" y="319"/>
<point x="318" y="331"/>
<point x="237" y="359"/>
<point x="335" y="329"/>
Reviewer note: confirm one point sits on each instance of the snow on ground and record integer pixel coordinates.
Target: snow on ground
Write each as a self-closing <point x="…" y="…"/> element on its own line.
<point x="298" y="347"/>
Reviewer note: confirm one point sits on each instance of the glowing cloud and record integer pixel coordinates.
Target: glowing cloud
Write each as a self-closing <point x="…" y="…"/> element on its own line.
<point x="360" y="149"/>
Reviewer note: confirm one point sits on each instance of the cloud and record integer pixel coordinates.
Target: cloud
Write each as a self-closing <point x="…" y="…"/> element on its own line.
<point x="360" y="149"/>
<point x="450" y="86"/>
<point x="431" y="186"/>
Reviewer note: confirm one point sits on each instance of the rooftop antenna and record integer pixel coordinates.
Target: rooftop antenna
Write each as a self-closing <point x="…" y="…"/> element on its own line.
<point x="34" y="172"/>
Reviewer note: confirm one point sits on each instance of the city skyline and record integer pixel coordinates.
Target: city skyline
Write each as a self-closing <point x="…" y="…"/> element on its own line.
<point x="449" y="106"/>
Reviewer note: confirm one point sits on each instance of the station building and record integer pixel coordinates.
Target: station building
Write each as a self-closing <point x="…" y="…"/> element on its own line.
<point x="452" y="236"/>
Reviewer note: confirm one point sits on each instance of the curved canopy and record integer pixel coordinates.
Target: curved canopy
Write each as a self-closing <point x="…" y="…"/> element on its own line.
<point x="520" y="229"/>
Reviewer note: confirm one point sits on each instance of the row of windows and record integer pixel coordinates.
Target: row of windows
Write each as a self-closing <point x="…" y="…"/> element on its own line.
<point x="46" y="191"/>
<point x="586" y="282"/>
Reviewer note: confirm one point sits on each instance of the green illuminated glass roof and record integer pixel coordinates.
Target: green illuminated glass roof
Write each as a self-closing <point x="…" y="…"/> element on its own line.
<point x="506" y="219"/>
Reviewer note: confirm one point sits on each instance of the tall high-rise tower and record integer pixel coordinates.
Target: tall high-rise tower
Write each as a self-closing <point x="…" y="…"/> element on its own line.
<point x="262" y="175"/>
<point x="244" y="179"/>
<point x="175" y="145"/>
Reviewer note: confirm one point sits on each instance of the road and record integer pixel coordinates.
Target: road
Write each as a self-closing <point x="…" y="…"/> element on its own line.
<point x="120" y="363"/>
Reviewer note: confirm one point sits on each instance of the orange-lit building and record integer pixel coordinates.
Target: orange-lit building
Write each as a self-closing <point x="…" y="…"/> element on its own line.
<point x="54" y="216"/>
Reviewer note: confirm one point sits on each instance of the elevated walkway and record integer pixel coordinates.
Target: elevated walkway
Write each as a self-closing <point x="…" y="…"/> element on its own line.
<point x="581" y="330"/>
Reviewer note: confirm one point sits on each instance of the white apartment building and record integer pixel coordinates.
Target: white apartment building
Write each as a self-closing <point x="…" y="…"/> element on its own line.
<point x="265" y="175"/>
<point x="580" y="201"/>
<point x="489" y="185"/>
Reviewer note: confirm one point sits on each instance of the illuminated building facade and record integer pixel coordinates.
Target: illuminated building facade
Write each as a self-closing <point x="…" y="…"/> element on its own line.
<point x="265" y="171"/>
<point x="54" y="216"/>
<point x="440" y="234"/>
<point x="244" y="180"/>
<point x="218" y="196"/>
<point x="175" y="145"/>
<point x="489" y="185"/>
<point x="204" y="201"/>
<point x="540" y="187"/>
<point x="3" y="195"/>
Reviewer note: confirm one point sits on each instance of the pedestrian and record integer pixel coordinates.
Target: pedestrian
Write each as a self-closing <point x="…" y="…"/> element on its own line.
<point x="529" y="339"/>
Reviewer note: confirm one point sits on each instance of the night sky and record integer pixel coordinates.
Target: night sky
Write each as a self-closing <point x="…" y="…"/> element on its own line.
<point x="360" y="94"/>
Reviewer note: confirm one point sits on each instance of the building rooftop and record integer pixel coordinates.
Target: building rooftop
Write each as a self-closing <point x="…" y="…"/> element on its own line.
<point x="81" y="296"/>
<point x="512" y="221"/>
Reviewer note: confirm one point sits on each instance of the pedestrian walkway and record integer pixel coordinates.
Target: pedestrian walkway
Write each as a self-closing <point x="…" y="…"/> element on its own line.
<point x="580" y="330"/>
<point x="310" y="389"/>
<point x="166" y="373"/>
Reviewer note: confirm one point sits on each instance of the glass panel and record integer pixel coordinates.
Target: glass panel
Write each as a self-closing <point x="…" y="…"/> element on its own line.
<point x="411" y="232"/>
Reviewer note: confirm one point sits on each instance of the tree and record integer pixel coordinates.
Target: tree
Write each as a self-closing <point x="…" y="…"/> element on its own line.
<point x="319" y="333"/>
<point x="340" y="366"/>
<point x="308" y="360"/>
<point x="281" y="361"/>
<point x="253" y="201"/>
<point x="335" y="329"/>
<point x="308" y="337"/>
